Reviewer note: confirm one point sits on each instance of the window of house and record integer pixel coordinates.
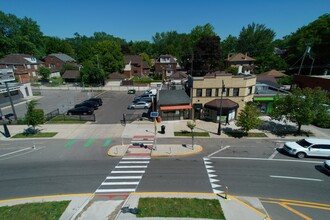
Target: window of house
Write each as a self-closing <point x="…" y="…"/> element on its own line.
<point x="135" y="71"/>
<point x="14" y="67"/>
<point x="236" y="92"/>
<point x="227" y="91"/>
<point x="250" y="90"/>
<point x="208" y="92"/>
<point x="198" y="92"/>
<point x="216" y="92"/>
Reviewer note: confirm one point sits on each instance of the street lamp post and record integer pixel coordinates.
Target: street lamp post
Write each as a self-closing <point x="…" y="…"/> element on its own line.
<point x="222" y="91"/>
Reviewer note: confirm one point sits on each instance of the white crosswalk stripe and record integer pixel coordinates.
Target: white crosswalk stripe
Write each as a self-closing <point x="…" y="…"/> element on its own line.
<point x="212" y="177"/>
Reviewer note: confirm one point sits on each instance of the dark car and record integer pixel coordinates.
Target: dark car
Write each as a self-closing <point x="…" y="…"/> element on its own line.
<point x="89" y="104"/>
<point x="97" y="100"/>
<point x="83" y="110"/>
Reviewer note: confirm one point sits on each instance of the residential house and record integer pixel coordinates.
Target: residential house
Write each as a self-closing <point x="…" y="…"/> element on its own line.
<point x="166" y="65"/>
<point x="25" y="66"/>
<point x="57" y="60"/>
<point x="243" y="62"/>
<point x="135" y="66"/>
<point x="71" y="76"/>
<point x="220" y="91"/>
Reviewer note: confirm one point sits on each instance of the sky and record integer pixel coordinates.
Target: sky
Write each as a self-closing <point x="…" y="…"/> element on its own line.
<point x="138" y="20"/>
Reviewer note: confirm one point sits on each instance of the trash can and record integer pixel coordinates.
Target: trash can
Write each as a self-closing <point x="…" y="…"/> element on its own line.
<point x="163" y="129"/>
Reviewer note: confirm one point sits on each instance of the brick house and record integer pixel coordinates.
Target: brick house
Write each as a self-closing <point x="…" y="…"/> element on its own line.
<point x="25" y="66"/>
<point x="243" y="62"/>
<point x="166" y="65"/>
<point x="57" y="60"/>
<point x="135" y="66"/>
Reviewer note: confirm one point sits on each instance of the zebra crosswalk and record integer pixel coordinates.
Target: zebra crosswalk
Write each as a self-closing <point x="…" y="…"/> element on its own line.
<point x="212" y="177"/>
<point x="126" y="176"/>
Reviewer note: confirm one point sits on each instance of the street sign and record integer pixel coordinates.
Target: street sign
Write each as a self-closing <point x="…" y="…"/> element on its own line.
<point x="6" y="75"/>
<point x="154" y="114"/>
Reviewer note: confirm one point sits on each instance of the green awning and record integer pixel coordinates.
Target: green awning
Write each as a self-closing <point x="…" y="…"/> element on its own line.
<point x="263" y="99"/>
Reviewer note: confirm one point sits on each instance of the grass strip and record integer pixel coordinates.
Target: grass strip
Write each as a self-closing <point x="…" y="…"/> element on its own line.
<point x="242" y="134"/>
<point x="38" y="135"/>
<point x="63" y="119"/>
<point x="180" y="208"/>
<point x="34" y="211"/>
<point x="189" y="134"/>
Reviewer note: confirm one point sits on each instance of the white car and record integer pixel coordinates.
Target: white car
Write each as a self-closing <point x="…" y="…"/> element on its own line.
<point x="308" y="147"/>
<point x="326" y="166"/>
<point x="139" y="105"/>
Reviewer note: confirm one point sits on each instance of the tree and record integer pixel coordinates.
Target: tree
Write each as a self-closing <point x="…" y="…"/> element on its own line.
<point x="44" y="72"/>
<point x="229" y="45"/>
<point x="192" y="125"/>
<point x="248" y="118"/>
<point x="110" y="56"/>
<point x="91" y="74"/>
<point x="33" y="116"/>
<point x="302" y="106"/>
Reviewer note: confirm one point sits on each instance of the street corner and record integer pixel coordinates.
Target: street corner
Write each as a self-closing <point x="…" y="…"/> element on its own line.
<point x="117" y="150"/>
<point x="170" y="150"/>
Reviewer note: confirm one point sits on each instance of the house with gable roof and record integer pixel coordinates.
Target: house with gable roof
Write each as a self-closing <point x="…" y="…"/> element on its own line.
<point x="166" y="65"/>
<point x="135" y="66"/>
<point x="24" y="66"/>
<point x="57" y="60"/>
<point x="243" y="62"/>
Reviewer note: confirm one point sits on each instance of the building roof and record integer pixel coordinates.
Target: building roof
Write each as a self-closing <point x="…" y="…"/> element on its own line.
<point x="133" y="59"/>
<point x="62" y="56"/>
<point x="179" y="75"/>
<point x="19" y="59"/>
<point x="71" y="74"/>
<point x="172" y="59"/>
<point x="173" y="97"/>
<point x="239" y="57"/>
<point x="274" y="73"/>
<point x="116" y="76"/>
<point x="226" y="104"/>
<point x="269" y="80"/>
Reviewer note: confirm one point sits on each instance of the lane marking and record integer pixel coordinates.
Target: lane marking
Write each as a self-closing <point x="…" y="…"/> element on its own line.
<point x="210" y="155"/>
<point x="295" y="201"/>
<point x="70" y="143"/>
<point x="114" y="190"/>
<point x="119" y="183"/>
<point x="136" y="158"/>
<point x="127" y="167"/>
<point x="123" y="177"/>
<point x="266" y="159"/>
<point x="137" y="171"/>
<point x="89" y="142"/>
<point x="295" y="211"/>
<point x="107" y="142"/>
<point x="295" y="178"/>
<point x="273" y="155"/>
<point x="14" y="152"/>
<point x="21" y="154"/>
<point x="128" y="162"/>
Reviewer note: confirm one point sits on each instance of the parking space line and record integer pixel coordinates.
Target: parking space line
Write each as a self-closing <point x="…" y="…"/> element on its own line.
<point x="273" y="155"/>
<point x="14" y="152"/>
<point x="70" y="143"/>
<point x="107" y="142"/>
<point x="89" y="142"/>
<point x="210" y="155"/>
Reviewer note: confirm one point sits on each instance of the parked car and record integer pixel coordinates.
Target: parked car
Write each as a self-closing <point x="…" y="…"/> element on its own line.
<point x="308" y="147"/>
<point x="145" y="99"/>
<point x="151" y="92"/>
<point x="82" y="110"/>
<point x="89" y="104"/>
<point x="326" y="166"/>
<point x="139" y="105"/>
<point x="144" y="96"/>
<point x="97" y="100"/>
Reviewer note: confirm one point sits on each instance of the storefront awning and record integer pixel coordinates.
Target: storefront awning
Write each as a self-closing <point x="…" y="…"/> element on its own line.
<point x="175" y="107"/>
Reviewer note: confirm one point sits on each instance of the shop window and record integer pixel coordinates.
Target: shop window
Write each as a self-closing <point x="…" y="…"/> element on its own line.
<point x="216" y="92"/>
<point x="236" y="92"/>
<point x="199" y="92"/>
<point x="208" y="92"/>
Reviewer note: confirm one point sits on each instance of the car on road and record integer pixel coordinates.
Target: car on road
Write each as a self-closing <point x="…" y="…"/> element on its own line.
<point x="89" y="104"/>
<point x="82" y="110"/>
<point x="97" y="100"/>
<point x="139" y="105"/>
<point x="308" y="147"/>
<point x="144" y="96"/>
<point x="326" y="166"/>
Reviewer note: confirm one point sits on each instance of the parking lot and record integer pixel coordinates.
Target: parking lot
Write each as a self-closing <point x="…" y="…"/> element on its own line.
<point x="111" y="112"/>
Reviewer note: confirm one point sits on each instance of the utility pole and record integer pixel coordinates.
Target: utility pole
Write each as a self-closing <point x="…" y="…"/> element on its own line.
<point x="307" y="51"/>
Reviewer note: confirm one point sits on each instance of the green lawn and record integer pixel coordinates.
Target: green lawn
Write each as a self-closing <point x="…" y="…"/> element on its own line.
<point x="188" y="133"/>
<point x="180" y="208"/>
<point x="34" y="211"/>
<point x="242" y="134"/>
<point x="64" y="119"/>
<point x="38" y="135"/>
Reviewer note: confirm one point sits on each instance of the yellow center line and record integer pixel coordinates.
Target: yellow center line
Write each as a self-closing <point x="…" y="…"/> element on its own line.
<point x="295" y="211"/>
<point x="295" y="202"/>
<point x="308" y="206"/>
